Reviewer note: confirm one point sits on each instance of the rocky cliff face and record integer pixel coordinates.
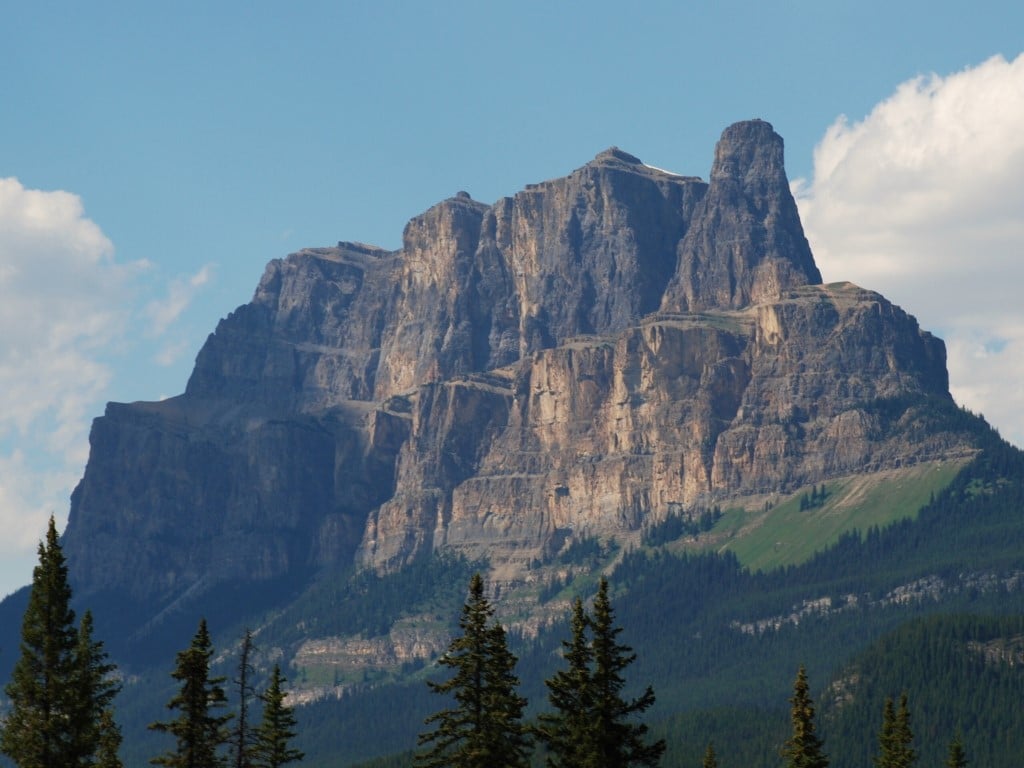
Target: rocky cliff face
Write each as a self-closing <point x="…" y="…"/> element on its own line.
<point x="746" y="243"/>
<point x="578" y="359"/>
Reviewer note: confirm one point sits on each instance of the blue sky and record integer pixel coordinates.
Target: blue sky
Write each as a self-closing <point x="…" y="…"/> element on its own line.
<point x="155" y="156"/>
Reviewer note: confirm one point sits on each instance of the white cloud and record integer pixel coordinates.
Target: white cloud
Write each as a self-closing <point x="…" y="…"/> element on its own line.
<point x="64" y="304"/>
<point x="28" y="496"/>
<point x="923" y="200"/>
<point x="67" y="308"/>
<point x="162" y="313"/>
<point x="63" y="300"/>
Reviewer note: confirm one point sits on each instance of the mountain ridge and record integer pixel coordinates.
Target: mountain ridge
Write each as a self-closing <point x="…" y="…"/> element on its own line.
<point x="576" y="360"/>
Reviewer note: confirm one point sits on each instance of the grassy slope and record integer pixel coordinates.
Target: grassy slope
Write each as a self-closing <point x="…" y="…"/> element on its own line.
<point x="784" y="535"/>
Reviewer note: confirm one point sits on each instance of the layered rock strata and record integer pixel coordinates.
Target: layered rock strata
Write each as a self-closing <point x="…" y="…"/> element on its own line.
<point x="579" y="359"/>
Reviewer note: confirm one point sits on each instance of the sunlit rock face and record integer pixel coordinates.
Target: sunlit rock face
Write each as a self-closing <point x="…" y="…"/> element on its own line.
<point x="577" y="359"/>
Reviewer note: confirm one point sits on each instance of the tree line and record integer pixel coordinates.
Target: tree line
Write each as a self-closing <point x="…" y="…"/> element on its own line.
<point x="804" y="749"/>
<point x="63" y="687"/>
<point x="590" y="724"/>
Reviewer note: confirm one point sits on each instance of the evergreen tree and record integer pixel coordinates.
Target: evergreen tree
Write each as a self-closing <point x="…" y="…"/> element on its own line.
<point x="956" y="758"/>
<point x="109" y="742"/>
<point x="895" y="739"/>
<point x="591" y="726"/>
<point x="886" y="736"/>
<point x="619" y="742"/>
<point x="570" y="726"/>
<point x="242" y="736"/>
<point x="277" y="728"/>
<point x="904" y="735"/>
<point x="199" y="732"/>
<point x="484" y="729"/>
<point x="804" y="749"/>
<point x="61" y="683"/>
<point x="710" y="760"/>
<point x="94" y="691"/>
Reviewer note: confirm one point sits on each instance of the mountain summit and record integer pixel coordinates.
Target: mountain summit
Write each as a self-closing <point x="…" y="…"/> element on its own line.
<point x="745" y="244"/>
<point x="583" y="359"/>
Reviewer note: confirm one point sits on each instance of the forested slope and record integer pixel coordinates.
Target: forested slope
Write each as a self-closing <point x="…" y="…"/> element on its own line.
<point x="722" y="644"/>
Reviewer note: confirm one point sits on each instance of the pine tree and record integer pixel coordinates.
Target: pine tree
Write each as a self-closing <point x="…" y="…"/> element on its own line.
<point x="619" y="741"/>
<point x="886" y="736"/>
<point x="277" y="728"/>
<point x="109" y="742"/>
<point x="895" y="739"/>
<point x="591" y="725"/>
<point x="710" y="760"/>
<point x="570" y="726"/>
<point x="956" y="758"/>
<point x="94" y="692"/>
<point x="803" y="749"/>
<point x="61" y="682"/>
<point x="904" y="734"/>
<point x="484" y="729"/>
<point x="198" y="731"/>
<point x="242" y="735"/>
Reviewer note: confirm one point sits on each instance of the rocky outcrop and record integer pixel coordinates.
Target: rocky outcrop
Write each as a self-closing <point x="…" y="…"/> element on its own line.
<point x="746" y="244"/>
<point x="185" y="493"/>
<point x="597" y="436"/>
<point x="577" y="359"/>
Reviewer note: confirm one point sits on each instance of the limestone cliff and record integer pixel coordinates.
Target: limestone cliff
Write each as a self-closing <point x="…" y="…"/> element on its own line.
<point x="577" y="359"/>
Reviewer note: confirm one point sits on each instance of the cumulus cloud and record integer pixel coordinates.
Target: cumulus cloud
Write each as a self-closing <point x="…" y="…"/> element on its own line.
<point x="922" y="200"/>
<point x="29" y="493"/>
<point x="70" y="312"/>
<point x="64" y="304"/>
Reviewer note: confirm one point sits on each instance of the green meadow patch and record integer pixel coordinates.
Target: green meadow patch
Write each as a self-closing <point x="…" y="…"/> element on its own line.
<point x="792" y="530"/>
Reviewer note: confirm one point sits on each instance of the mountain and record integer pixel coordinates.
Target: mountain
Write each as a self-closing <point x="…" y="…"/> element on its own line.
<point x="623" y="371"/>
<point x="587" y="357"/>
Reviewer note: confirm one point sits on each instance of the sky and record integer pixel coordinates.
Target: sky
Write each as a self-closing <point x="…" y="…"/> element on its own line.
<point x="155" y="156"/>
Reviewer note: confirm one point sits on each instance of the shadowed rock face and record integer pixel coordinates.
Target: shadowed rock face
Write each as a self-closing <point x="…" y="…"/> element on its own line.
<point x="746" y="244"/>
<point x="576" y="359"/>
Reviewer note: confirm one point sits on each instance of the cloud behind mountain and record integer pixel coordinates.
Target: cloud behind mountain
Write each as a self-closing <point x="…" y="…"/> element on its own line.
<point x="922" y="200"/>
